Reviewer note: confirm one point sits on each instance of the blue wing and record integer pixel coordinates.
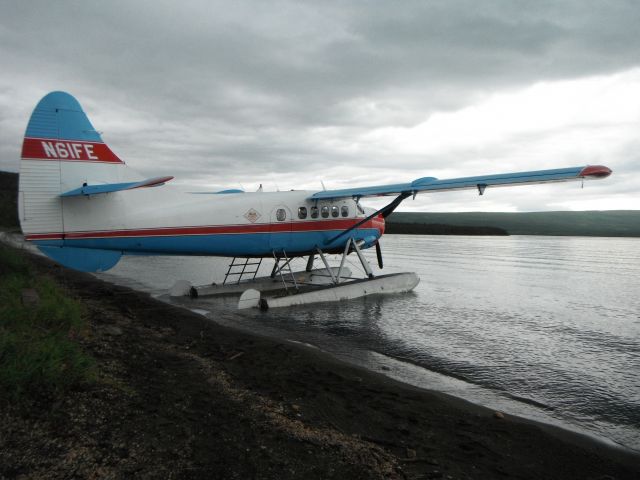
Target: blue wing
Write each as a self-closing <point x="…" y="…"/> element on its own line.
<point x="115" y="187"/>
<point x="430" y="184"/>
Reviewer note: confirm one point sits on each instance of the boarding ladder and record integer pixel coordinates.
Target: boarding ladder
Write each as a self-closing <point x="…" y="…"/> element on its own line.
<point x="242" y="269"/>
<point x="284" y="269"/>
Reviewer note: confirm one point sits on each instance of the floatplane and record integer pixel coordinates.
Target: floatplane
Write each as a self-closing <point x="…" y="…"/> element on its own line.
<point x="83" y="207"/>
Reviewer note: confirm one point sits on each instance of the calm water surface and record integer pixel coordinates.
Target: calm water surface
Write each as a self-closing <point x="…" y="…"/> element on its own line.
<point x="544" y="327"/>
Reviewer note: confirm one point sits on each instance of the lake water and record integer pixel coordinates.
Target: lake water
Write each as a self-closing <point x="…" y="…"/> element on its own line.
<point x="544" y="327"/>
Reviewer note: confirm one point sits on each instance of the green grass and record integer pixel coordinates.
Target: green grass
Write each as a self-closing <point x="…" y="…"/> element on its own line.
<point x="39" y="354"/>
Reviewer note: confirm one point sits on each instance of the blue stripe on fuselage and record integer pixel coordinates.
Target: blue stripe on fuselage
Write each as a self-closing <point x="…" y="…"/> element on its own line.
<point x="224" y="245"/>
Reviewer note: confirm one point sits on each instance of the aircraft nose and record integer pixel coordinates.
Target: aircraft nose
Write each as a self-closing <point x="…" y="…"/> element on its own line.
<point x="379" y="224"/>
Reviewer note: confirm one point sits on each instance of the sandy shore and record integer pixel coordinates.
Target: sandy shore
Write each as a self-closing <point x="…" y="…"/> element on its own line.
<point x="182" y="397"/>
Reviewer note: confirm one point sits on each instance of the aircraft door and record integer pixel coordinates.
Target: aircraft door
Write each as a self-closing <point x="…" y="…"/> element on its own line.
<point x="280" y="228"/>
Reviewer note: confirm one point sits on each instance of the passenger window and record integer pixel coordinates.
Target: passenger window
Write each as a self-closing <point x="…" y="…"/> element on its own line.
<point x="314" y="212"/>
<point x="324" y="211"/>
<point x="281" y="215"/>
<point x="334" y="211"/>
<point x="344" y="210"/>
<point x="302" y="213"/>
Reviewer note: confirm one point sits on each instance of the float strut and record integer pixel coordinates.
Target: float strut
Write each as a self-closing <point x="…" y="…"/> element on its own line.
<point x="312" y="258"/>
<point x="324" y="260"/>
<point x="275" y="267"/>
<point x="363" y="260"/>
<point x="344" y="256"/>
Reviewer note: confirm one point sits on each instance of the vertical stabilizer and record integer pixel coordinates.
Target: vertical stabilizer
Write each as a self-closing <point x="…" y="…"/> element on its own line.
<point x="61" y="151"/>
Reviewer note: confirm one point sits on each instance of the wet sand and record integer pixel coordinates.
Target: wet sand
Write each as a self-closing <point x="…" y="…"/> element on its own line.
<point x="180" y="396"/>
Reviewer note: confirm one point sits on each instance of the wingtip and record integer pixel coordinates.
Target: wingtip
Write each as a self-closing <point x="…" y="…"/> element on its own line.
<point x="154" y="182"/>
<point x="595" y="171"/>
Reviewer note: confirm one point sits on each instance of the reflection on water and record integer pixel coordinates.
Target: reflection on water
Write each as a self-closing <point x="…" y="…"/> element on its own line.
<point x="547" y="327"/>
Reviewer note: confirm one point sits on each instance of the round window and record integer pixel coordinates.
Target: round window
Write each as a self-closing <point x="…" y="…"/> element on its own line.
<point x="324" y="211"/>
<point x="281" y="214"/>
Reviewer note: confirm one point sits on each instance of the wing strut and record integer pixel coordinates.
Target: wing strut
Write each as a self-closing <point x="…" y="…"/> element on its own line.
<point x="385" y="211"/>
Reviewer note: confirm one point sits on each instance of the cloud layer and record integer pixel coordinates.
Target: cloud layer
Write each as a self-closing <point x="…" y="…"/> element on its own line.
<point x="288" y="93"/>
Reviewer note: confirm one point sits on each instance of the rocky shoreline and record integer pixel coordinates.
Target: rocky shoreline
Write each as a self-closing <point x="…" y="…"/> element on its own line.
<point x="179" y="396"/>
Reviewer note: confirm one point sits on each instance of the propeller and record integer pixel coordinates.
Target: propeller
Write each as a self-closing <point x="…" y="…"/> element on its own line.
<point x="379" y="255"/>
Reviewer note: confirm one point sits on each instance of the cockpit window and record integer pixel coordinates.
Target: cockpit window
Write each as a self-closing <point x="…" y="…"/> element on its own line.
<point x="334" y="211"/>
<point x="302" y="213"/>
<point x="281" y="215"/>
<point x="344" y="210"/>
<point x="324" y="211"/>
<point x="360" y="209"/>
<point x="314" y="212"/>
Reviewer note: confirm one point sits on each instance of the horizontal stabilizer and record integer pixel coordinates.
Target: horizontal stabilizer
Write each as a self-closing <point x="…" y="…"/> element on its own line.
<point x="221" y="192"/>
<point x="115" y="187"/>
<point x="430" y="184"/>
<point x="83" y="259"/>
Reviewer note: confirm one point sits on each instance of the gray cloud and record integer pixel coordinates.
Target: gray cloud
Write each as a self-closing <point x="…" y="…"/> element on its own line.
<point x="222" y="90"/>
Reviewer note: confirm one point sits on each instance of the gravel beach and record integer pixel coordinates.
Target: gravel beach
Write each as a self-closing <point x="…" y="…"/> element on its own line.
<point x="179" y="396"/>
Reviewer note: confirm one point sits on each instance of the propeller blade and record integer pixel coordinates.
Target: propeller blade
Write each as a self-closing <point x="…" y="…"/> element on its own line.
<point x="379" y="255"/>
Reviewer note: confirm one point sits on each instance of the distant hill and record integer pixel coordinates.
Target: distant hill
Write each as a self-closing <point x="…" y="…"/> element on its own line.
<point x="611" y="223"/>
<point x="440" y="229"/>
<point x="8" y="200"/>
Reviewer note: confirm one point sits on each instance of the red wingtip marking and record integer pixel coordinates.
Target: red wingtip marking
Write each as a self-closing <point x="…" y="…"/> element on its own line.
<point x="595" y="171"/>
<point x="155" y="181"/>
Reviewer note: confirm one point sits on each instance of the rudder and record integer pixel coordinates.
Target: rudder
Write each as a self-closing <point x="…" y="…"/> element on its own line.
<point x="61" y="151"/>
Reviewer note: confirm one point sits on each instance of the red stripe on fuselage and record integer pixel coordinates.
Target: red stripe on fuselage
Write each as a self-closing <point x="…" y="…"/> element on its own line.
<point x="67" y="151"/>
<point x="44" y="236"/>
<point x="379" y="223"/>
<point x="307" y="226"/>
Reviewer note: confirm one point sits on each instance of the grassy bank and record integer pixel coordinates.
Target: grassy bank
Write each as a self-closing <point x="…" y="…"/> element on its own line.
<point x="39" y="328"/>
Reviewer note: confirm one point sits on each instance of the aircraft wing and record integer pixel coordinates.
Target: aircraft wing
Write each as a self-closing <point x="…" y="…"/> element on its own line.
<point x="115" y="187"/>
<point x="431" y="184"/>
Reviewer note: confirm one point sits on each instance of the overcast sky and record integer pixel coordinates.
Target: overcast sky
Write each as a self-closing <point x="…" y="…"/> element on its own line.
<point x="283" y="93"/>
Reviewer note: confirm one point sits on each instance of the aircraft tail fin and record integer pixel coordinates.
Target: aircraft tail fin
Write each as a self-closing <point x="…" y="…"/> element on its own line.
<point x="61" y="151"/>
